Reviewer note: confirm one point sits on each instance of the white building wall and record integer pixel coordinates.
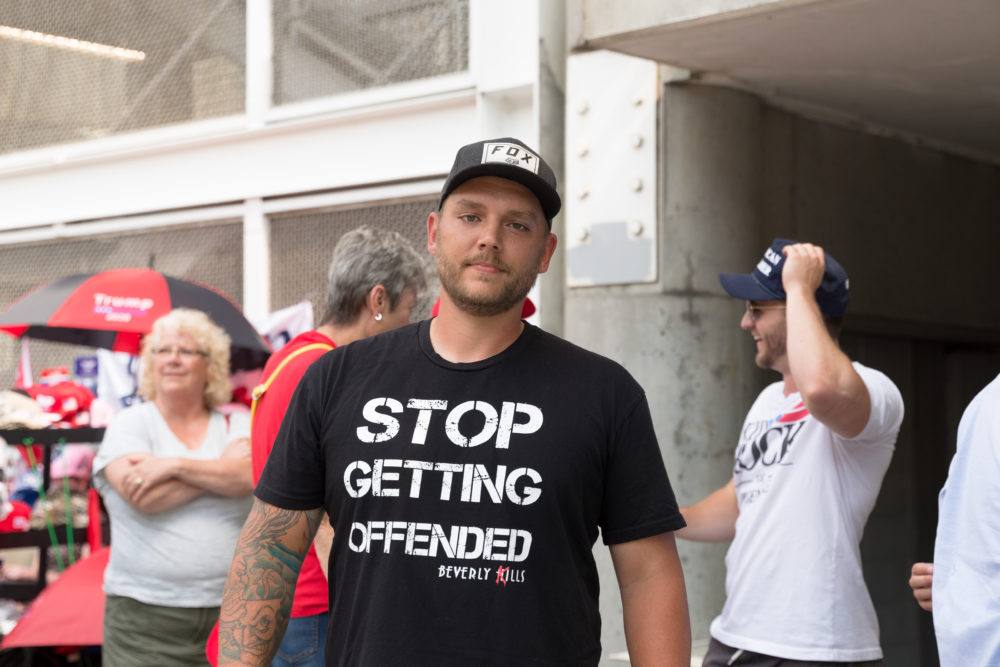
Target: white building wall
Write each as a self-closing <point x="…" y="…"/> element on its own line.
<point x="401" y="138"/>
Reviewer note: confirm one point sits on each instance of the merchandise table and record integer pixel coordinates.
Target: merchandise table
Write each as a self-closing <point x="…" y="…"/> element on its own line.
<point x="40" y="537"/>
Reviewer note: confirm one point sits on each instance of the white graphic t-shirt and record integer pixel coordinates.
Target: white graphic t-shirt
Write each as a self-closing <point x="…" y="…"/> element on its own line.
<point x="794" y="585"/>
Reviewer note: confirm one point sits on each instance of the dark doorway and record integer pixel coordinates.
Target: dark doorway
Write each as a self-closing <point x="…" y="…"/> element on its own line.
<point x="937" y="378"/>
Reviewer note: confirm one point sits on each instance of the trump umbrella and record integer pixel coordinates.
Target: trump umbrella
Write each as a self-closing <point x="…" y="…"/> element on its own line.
<point x="68" y="612"/>
<point x="113" y="309"/>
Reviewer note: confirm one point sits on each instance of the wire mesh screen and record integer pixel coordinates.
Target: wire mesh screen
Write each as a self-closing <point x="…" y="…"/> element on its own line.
<point x="326" y="47"/>
<point x="302" y="245"/>
<point x="211" y="254"/>
<point x="71" y="71"/>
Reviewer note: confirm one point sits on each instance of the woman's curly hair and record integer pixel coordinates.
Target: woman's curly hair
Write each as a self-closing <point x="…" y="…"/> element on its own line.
<point x="208" y="337"/>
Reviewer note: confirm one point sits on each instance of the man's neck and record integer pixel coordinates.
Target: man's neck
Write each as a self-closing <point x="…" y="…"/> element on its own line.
<point x="462" y="338"/>
<point x="789" y="381"/>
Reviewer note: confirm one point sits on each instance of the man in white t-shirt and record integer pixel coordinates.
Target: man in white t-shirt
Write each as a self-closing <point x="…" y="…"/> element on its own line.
<point x="806" y="473"/>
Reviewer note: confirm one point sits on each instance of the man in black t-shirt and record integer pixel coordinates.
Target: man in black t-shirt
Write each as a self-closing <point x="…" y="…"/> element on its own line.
<point x="467" y="464"/>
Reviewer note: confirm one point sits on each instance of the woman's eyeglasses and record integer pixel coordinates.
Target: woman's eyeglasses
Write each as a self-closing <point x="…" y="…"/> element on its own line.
<point x="184" y="352"/>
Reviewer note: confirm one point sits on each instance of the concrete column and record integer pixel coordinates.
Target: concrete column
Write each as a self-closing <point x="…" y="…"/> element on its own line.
<point x="551" y="110"/>
<point x="680" y="338"/>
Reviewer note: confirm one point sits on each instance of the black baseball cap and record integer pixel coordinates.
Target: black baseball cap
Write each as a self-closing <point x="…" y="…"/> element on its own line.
<point x="765" y="284"/>
<point x="507" y="158"/>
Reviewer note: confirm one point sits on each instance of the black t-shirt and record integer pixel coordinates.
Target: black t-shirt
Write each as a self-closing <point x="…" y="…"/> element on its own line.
<point x="466" y="498"/>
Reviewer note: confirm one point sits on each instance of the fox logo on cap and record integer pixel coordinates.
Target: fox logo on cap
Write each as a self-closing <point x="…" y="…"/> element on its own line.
<point x="510" y="154"/>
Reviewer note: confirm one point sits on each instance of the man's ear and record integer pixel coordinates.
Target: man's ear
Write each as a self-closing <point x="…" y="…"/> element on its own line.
<point x="550" y="248"/>
<point x="432" y="223"/>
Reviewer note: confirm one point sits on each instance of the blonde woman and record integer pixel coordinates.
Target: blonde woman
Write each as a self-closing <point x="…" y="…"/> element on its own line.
<point x="175" y="474"/>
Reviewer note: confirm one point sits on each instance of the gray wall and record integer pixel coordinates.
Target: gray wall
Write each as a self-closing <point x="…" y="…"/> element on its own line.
<point x="916" y="230"/>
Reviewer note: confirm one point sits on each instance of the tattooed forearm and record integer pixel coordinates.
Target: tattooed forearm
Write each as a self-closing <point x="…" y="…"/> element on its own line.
<point x="261" y="584"/>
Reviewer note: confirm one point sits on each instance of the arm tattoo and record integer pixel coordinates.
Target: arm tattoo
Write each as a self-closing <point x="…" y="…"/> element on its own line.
<point x="258" y="598"/>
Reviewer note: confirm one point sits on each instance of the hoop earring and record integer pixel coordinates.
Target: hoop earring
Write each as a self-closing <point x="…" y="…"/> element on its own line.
<point x="378" y="317"/>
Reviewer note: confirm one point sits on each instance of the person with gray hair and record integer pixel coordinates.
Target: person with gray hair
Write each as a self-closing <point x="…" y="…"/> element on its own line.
<point x="373" y="284"/>
<point x="368" y="263"/>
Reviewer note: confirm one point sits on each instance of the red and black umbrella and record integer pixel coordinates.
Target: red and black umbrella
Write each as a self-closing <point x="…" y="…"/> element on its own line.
<point x="69" y="612"/>
<point x="113" y="309"/>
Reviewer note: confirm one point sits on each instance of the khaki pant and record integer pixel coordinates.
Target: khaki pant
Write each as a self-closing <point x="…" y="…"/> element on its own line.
<point x="138" y="634"/>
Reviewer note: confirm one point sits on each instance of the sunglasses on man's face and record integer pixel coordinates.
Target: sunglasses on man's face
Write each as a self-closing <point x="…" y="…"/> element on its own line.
<point x="755" y="310"/>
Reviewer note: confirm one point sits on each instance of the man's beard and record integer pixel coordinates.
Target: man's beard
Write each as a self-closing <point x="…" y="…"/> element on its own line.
<point x="774" y="347"/>
<point x="511" y="290"/>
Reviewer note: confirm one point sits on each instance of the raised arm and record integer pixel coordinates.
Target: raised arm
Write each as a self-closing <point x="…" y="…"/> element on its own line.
<point x="258" y="598"/>
<point x="654" y="601"/>
<point x="712" y="519"/>
<point x="831" y="389"/>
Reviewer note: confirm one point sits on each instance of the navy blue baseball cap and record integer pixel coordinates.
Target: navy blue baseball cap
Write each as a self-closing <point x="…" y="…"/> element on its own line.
<point x="764" y="284"/>
<point x="507" y="158"/>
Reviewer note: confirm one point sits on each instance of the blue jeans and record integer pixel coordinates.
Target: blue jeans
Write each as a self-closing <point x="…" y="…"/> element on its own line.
<point x="304" y="642"/>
